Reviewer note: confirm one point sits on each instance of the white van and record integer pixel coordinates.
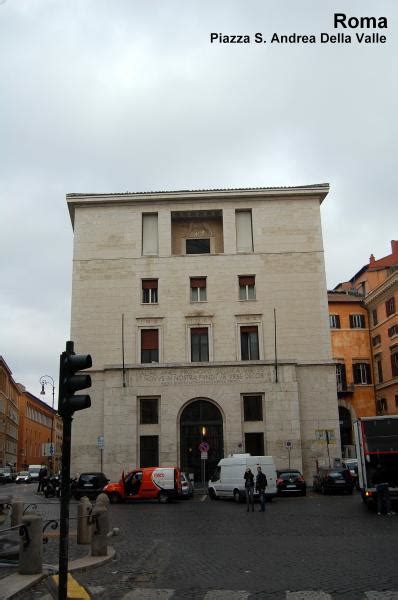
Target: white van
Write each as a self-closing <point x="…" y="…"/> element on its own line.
<point x="34" y="471"/>
<point x="228" y="480"/>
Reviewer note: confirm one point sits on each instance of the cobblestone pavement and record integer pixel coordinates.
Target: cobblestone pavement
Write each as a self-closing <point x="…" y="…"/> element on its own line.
<point x="312" y="548"/>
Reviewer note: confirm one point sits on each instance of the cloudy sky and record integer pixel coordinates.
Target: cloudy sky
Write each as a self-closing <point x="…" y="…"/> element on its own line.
<point x="126" y="95"/>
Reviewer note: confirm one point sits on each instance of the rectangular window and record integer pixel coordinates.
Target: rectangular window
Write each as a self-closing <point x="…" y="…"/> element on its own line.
<point x="390" y="306"/>
<point x="379" y="368"/>
<point x="149" y="345"/>
<point x="198" y="246"/>
<point x="198" y="289"/>
<point x="381" y="406"/>
<point x="341" y="378"/>
<point x="149" y="413"/>
<point x="244" y="230"/>
<point x="150" y="241"/>
<point x="357" y="321"/>
<point x="376" y="340"/>
<point x="374" y="316"/>
<point x="149" y="451"/>
<point x="253" y="408"/>
<point x="254" y="444"/>
<point x="249" y="343"/>
<point x="393" y="331"/>
<point x="396" y="401"/>
<point x="247" y="287"/>
<point x="334" y="321"/>
<point x="394" y="362"/>
<point x="362" y="373"/>
<point x="199" y="344"/>
<point x="149" y="291"/>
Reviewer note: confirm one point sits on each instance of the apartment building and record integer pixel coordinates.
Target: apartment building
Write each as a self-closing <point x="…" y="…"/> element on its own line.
<point x="9" y="395"/>
<point x="206" y="316"/>
<point x="377" y="282"/>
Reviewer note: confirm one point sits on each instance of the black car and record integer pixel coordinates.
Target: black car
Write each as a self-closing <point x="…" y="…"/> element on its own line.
<point x="6" y="475"/>
<point x="333" y="479"/>
<point x="290" y="481"/>
<point x="89" y="484"/>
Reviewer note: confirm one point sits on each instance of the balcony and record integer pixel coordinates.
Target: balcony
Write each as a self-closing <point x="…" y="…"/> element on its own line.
<point x="197" y="232"/>
<point x="344" y="389"/>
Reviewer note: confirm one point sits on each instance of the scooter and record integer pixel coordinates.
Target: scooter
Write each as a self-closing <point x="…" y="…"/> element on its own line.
<point x="52" y="486"/>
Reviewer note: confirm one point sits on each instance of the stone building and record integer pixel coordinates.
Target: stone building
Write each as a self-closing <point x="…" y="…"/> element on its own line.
<point x="9" y="394"/>
<point x="206" y="316"/>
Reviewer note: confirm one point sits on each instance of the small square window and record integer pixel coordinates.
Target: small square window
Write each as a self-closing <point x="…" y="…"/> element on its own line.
<point x="149" y="291"/>
<point x="149" y="411"/>
<point x="247" y="287"/>
<point x="198" y="289"/>
<point x="198" y="246"/>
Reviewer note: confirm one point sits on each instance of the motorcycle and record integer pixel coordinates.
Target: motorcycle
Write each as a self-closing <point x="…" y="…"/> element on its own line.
<point x="52" y="486"/>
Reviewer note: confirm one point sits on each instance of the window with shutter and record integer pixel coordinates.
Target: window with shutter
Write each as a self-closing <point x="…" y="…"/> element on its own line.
<point x="149" y="345"/>
<point x="198" y="289"/>
<point x="357" y="321"/>
<point x="374" y="316"/>
<point x="150" y="242"/>
<point x="362" y="373"/>
<point x="149" y="291"/>
<point x="334" y="321"/>
<point x="394" y="362"/>
<point x="247" y="287"/>
<point x="390" y="306"/>
<point x="244" y="231"/>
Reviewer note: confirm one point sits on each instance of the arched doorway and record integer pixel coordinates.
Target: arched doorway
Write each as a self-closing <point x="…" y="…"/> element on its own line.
<point x="345" y="428"/>
<point x="200" y="421"/>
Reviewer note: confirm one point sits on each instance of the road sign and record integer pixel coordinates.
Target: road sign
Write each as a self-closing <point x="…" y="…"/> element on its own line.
<point x="203" y="455"/>
<point x="101" y="442"/>
<point x="204" y="447"/>
<point x="52" y="450"/>
<point x="288" y="444"/>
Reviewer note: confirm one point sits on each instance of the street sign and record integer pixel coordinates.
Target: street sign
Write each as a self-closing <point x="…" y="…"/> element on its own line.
<point x="52" y="450"/>
<point x="203" y="455"/>
<point x="47" y="449"/>
<point x="204" y="447"/>
<point x="101" y="442"/>
<point x="288" y="444"/>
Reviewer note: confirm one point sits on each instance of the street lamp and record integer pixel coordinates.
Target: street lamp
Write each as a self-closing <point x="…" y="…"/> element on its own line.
<point x="48" y="380"/>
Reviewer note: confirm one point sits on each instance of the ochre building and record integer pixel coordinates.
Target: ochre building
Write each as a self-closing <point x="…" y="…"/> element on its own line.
<point x="206" y="316"/>
<point x="9" y="395"/>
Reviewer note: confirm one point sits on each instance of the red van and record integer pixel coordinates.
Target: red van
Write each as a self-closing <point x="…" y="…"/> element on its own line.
<point x="163" y="483"/>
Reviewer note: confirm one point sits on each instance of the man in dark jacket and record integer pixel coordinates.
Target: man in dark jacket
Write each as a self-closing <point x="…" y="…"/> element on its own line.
<point x="249" y="488"/>
<point x="261" y="484"/>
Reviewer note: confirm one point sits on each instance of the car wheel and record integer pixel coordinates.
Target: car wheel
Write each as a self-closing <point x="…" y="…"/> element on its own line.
<point x="212" y="494"/>
<point x="163" y="498"/>
<point x="114" y="497"/>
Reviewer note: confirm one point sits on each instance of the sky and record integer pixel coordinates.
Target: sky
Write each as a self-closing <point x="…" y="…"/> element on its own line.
<point x="101" y="96"/>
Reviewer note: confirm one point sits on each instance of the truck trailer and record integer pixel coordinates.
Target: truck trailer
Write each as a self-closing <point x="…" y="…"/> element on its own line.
<point x="376" y="440"/>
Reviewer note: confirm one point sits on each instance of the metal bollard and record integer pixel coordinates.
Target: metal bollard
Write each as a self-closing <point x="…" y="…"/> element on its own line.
<point x="16" y="511"/>
<point x="99" y="538"/>
<point x="31" y="545"/>
<point x="84" y="526"/>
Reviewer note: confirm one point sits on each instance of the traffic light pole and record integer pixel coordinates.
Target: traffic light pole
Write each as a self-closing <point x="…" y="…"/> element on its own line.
<point x="64" y="517"/>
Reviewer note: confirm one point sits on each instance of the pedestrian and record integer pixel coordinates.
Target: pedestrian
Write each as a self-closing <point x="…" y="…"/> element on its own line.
<point x="261" y="484"/>
<point x="42" y="477"/>
<point x="380" y="481"/>
<point x="249" y="488"/>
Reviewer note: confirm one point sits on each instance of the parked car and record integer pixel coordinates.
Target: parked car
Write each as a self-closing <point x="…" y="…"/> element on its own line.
<point x="290" y="481"/>
<point x="89" y="484"/>
<point x="148" y="483"/>
<point x="352" y="465"/>
<point x="186" y="486"/>
<point x="23" y="477"/>
<point x="6" y="475"/>
<point x="333" y="479"/>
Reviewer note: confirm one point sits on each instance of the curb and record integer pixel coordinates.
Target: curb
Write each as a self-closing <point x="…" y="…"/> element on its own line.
<point x="16" y="583"/>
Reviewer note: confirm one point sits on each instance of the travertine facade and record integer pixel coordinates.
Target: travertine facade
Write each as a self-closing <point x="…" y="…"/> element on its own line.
<point x="284" y="267"/>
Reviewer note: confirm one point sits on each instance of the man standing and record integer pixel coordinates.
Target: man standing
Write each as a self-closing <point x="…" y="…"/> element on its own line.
<point x="261" y="484"/>
<point x="249" y="487"/>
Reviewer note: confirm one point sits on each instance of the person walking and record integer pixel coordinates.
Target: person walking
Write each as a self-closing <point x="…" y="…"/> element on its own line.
<point x="380" y="481"/>
<point x="42" y="477"/>
<point x="261" y="484"/>
<point x="249" y="488"/>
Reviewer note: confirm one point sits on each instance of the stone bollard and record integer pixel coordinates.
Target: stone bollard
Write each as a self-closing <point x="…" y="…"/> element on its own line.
<point x="31" y="550"/>
<point x="5" y="502"/>
<point x="16" y="511"/>
<point x="99" y="538"/>
<point x="84" y="526"/>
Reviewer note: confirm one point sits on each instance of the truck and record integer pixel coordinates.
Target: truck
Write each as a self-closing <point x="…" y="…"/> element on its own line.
<point x="376" y="440"/>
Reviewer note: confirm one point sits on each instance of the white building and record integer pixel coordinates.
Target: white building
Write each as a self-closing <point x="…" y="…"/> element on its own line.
<point x="196" y="278"/>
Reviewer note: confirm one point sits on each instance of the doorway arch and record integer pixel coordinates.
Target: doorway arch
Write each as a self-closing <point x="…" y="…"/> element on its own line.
<point x="200" y="421"/>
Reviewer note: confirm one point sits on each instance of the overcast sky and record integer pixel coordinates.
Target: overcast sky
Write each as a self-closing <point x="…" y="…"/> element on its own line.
<point x="126" y="95"/>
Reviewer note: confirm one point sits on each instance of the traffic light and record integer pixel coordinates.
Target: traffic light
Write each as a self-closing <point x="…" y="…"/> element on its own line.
<point x="70" y="381"/>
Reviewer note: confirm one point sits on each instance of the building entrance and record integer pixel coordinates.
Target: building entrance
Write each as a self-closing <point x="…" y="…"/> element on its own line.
<point x="201" y="421"/>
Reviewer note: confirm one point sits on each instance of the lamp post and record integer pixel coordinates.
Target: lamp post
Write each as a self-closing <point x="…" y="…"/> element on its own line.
<point x="48" y="380"/>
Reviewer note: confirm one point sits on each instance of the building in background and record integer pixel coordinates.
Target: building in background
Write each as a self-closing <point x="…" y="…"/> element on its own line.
<point x="377" y="283"/>
<point x="175" y="296"/>
<point x="9" y="395"/>
<point x="37" y="429"/>
<point x="351" y="348"/>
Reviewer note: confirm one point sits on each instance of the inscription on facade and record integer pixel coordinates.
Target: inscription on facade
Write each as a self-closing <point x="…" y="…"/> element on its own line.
<point x="210" y="377"/>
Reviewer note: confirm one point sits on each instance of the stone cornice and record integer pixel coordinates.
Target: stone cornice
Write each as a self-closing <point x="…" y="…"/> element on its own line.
<point x="375" y="294"/>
